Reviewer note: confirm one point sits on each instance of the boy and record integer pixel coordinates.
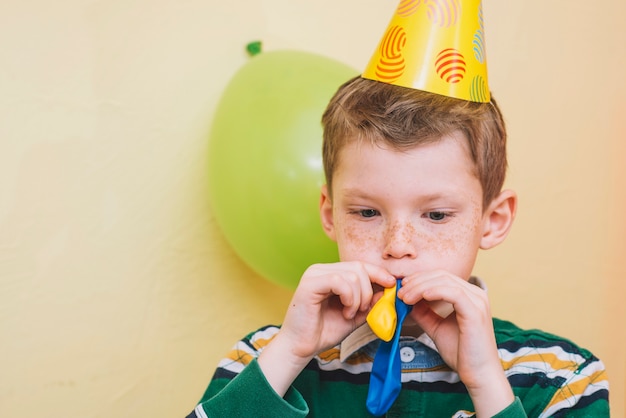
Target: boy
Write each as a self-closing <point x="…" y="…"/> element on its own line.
<point x="414" y="190"/>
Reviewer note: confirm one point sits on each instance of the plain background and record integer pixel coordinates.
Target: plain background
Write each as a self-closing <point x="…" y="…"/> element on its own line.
<point x="118" y="293"/>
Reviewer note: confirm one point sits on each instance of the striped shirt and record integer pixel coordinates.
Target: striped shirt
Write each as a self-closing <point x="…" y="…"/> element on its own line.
<point x="550" y="377"/>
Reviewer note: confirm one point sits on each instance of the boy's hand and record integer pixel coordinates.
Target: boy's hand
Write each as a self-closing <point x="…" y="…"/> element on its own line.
<point x="465" y="338"/>
<point x="330" y="302"/>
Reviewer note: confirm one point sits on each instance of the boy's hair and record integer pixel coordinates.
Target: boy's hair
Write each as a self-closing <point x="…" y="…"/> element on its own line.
<point x="403" y="118"/>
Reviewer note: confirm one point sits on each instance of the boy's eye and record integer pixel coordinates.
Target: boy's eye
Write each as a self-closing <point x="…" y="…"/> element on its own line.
<point x="368" y="213"/>
<point x="437" y="216"/>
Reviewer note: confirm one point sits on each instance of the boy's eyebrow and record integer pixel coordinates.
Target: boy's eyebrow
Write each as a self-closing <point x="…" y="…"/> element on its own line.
<point x="354" y="192"/>
<point x="430" y="197"/>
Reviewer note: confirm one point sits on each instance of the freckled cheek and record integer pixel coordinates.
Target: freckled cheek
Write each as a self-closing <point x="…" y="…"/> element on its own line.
<point x="355" y="239"/>
<point x="447" y="244"/>
<point x="458" y="239"/>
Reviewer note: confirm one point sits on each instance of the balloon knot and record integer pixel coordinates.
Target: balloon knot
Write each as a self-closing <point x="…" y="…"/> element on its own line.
<point x="254" y="48"/>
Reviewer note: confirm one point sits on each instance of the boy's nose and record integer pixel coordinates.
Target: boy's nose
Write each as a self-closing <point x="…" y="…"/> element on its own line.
<point x="400" y="241"/>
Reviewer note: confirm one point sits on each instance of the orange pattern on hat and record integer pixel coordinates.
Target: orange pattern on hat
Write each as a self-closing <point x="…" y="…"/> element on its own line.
<point x="391" y="64"/>
<point x="407" y="7"/>
<point x="450" y="65"/>
<point x="443" y="12"/>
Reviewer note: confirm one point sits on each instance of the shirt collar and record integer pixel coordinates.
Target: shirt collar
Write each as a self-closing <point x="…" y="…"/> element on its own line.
<point x="363" y="335"/>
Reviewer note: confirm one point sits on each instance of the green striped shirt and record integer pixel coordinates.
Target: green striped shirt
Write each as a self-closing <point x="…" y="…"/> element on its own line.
<point x="550" y="377"/>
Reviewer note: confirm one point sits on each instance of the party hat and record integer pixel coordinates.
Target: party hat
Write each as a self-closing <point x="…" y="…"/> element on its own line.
<point x="436" y="46"/>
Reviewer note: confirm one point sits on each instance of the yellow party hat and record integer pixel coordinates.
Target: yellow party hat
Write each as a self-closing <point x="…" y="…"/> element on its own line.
<point x="436" y="46"/>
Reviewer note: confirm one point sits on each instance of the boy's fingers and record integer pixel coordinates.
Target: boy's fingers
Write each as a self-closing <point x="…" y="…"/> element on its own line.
<point x="375" y="280"/>
<point x="425" y="317"/>
<point x="432" y="283"/>
<point x="468" y="300"/>
<point x="362" y="276"/>
<point x="348" y="287"/>
<point x="379" y="275"/>
<point x="351" y="282"/>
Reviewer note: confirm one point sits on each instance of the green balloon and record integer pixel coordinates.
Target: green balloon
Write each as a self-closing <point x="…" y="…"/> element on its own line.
<point x="265" y="162"/>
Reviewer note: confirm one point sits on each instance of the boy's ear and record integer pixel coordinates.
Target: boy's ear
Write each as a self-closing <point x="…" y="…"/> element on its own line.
<point x="326" y="213"/>
<point x="498" y="219"/>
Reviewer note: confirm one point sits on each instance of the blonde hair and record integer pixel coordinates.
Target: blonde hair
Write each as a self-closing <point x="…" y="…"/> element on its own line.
<point x="404" y="118"/>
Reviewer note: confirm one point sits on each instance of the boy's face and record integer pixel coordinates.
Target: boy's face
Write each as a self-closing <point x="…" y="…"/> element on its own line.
<point x="407" y="211"/>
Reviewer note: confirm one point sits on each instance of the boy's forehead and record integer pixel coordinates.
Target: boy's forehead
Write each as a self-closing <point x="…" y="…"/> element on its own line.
<point x="445" y="163"/>
<point x="351" y="146"/>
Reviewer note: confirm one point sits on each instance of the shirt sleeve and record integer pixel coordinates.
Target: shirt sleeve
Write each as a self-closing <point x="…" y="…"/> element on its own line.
<point x="239" y="387"/>
<point x="515" y="410"/>
<point x="249" y="394"/>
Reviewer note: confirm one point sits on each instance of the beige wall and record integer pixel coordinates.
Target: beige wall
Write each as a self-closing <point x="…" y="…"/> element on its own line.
<point x="118" y="294"/>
